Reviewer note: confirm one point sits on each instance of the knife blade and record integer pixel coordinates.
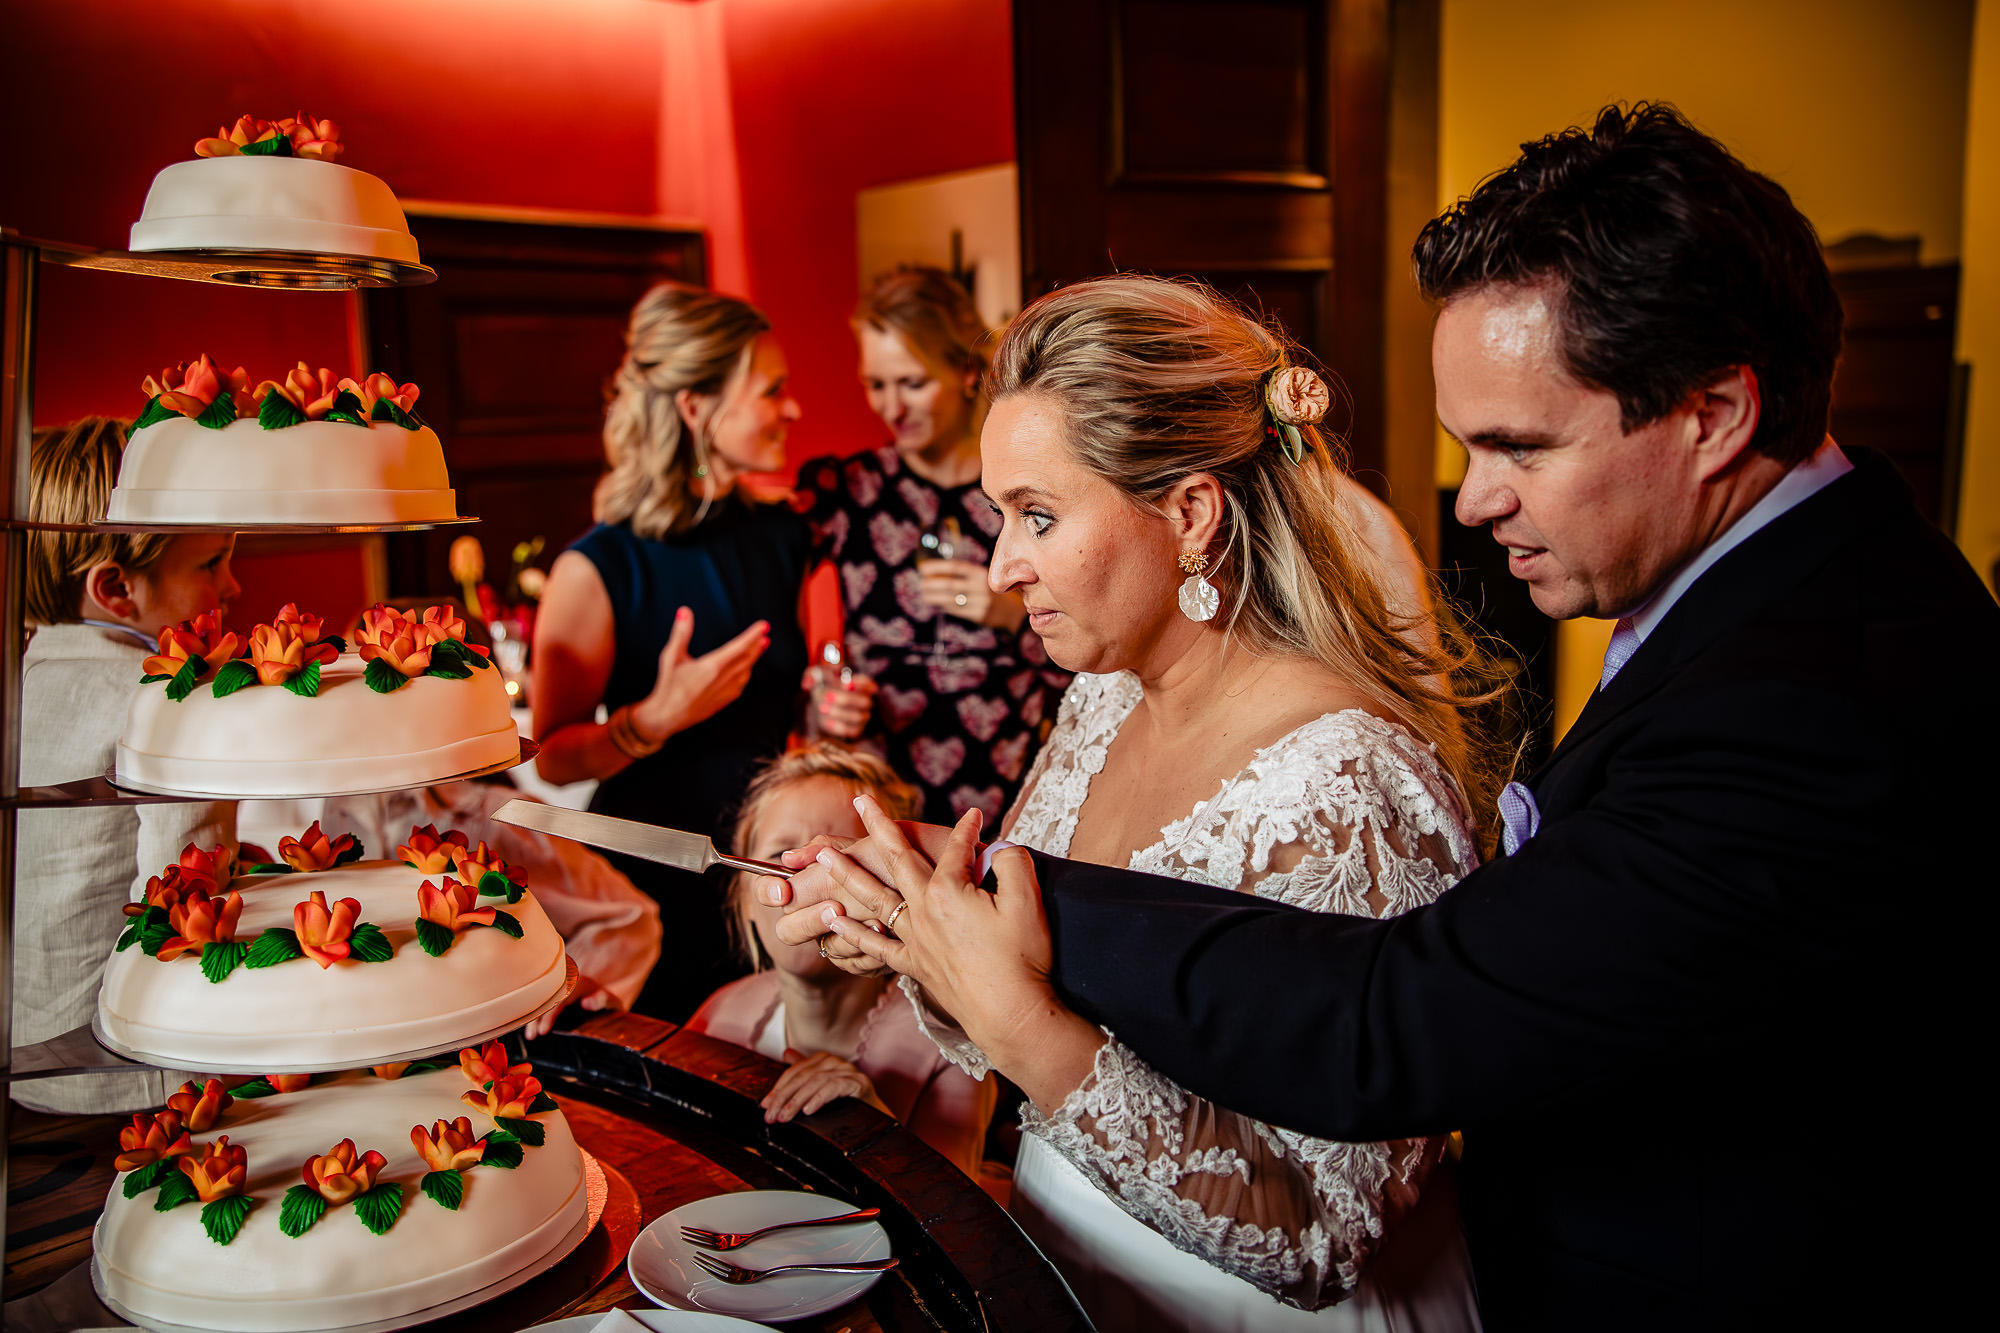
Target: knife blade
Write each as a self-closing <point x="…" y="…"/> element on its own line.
<point x="649" y="842"/>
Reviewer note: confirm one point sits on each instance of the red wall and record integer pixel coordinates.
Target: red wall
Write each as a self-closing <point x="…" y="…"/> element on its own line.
<point x="830" y="99"/>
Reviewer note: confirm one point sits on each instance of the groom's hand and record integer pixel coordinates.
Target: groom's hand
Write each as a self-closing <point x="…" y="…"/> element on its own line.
<point x="812" y="885"/>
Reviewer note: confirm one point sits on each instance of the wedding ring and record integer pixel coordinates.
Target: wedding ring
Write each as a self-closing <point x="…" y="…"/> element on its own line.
<point x="959" y="600"/>
<point x="890" y="924"/>
<point x="822" y="947"/>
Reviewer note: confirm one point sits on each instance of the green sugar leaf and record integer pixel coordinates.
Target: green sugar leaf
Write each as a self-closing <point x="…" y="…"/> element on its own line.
<point x="493" y="884"/>
<point x="381" y="677"/>
<point x="129" y="938"/>
<point x="147" y="1176"/>
<point x="155" y="412"/>
<point x="255" y="1088"/>
<point x="306" y="683"/>
<point x="543" y="1102"/>
<point x="275" y="146"/>
<point x="219" y="960"/>
<point x="369" y="944"/>
<point x="386" y="410"/>
<point x="353" y="853"/>
<point x="274" y="946"/>
<point x="529" y="1132"/>
<point x="277" y="412"/>
<point x="379" y="1207"/>
<point x="153" y="935"/>
<point x="303" y="1206"/>
<point x="265" y="868"/>
<point x="148" y="680"/>
<point x="183" y="683"/>
<point x="503" y="1150"/>
<point x="444" y="1188"/>
<point x="232" y="676"/>
<point x="215" y="416"/>
<point x="447" y="668"/>
<point x="224" y="1218"/>
<point x="347" y="407"/>
<point x="175" y="1190"/>
<point x="434" y="938"/>
<point x="506" y="925"/>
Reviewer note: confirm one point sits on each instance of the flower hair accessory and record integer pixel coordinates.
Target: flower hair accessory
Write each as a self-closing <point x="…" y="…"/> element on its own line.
<point x="1295" y="396"/>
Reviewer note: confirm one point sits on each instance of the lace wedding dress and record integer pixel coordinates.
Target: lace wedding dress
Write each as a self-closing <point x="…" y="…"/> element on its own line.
<point x="1166" y="1211"/>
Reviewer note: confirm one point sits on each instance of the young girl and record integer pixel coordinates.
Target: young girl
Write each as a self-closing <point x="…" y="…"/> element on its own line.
<point x="843" y="1036"/>
<point x="98" y="602"/>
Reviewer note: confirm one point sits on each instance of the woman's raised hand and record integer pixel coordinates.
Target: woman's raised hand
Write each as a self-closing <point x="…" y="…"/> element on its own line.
<point x="692" y="689"/>
<point x="841" y="710"/>
<point x="959" y="588"/>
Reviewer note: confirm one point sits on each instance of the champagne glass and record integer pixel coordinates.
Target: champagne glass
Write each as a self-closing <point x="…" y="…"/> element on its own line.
<point x="940" y="542"/>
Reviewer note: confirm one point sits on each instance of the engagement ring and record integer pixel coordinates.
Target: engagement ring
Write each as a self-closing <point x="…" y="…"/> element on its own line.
<point x="890" y="924"/>
<point x="822" y="947"/>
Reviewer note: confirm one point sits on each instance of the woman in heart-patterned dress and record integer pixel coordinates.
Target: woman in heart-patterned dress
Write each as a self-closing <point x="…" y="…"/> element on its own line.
<point x="963" y="691"/>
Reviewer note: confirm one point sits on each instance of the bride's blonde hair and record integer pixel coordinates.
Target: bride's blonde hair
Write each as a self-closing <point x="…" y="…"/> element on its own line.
<point x="1155" y="380"/>
<point x="680" y="338"/>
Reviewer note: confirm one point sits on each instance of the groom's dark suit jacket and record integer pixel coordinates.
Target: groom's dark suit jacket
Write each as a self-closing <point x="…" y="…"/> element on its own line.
<point x="1707" y="1034"/>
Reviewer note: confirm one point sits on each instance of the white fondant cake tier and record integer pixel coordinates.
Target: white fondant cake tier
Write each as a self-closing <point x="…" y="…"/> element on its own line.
<point x="273" y="203"/>
<point x="297" y="1015"/>
<point x="176" y="471"/>
<point x="264" y="740"/>
<point x="163" y="1266"/>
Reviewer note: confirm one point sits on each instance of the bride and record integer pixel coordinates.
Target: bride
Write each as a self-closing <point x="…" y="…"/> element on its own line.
<point x="1249" y="713"/>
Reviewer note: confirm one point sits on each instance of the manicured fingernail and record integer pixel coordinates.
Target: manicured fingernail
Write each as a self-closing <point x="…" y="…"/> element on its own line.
<point x="825" y="857"/>
<point x="828" y="916"/>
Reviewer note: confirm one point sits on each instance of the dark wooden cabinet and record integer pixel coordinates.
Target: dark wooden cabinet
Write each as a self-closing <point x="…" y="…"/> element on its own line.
<point x="513" y="347"/>
<point x="1242" y="142"/>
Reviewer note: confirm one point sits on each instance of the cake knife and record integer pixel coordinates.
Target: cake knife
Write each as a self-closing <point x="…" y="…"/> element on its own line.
<point x="649" y="842"/>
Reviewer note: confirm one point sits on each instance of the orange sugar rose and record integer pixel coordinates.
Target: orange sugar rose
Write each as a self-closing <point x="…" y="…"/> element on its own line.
<point x="189" y="388"/>
<point x="202" y="638"/>
<point x="151" y="1137"/>
<point x="475" y="864"/>
<point x="398" y="640"/>
<point x="324" y="932"/>
<point x="200" y="920"/>
<point x="340" y="1172"/>
<point x="483" y="1064"/>
<point x="395" y="1069"/>
<point x="219" y="1171"/>
<point x="429" y="852"/>
<point x="505" y="1098"/>
<point x="281" y="651"/>
<point x="199" y="1108"/>
<point x="452" y="906"/>
<point x="313" y="851"/>
<point x="379" y="387"/>
<point x="313" y="395"/>
<point x="449" y="1146"/>
<point x="165" y="891"/>
<point x="288" y="1082"/>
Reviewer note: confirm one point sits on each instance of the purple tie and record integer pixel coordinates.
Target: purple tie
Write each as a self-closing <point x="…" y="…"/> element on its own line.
<point x="1520" y="817"/>
<point x="1624" y="642"/>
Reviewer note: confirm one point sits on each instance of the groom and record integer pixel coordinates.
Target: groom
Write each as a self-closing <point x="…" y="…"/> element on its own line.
<point x="1707" y="1029"/>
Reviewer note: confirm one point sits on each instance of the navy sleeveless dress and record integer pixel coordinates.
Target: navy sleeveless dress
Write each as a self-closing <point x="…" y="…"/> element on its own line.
<point x="743" y="563"/>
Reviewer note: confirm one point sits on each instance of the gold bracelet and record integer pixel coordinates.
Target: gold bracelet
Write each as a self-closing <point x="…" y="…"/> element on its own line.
<point x="625" y="736"/>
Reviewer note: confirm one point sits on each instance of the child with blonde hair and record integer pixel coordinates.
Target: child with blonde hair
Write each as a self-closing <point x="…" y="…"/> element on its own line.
<point x="843" y="1036"/>
<point x="97" y="603"/>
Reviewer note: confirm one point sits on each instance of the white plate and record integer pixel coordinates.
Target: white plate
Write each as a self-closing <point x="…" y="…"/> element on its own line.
<point x="662" y="1264"/>
<point x="659" y="1321"/>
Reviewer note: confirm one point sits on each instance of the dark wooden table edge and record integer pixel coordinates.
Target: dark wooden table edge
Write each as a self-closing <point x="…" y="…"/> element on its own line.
<point x="966" y="1261"/>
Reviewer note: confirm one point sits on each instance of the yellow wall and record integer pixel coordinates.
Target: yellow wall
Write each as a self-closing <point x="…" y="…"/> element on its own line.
<point x="1857" y="107"/>
<point x="1979" y="302"/>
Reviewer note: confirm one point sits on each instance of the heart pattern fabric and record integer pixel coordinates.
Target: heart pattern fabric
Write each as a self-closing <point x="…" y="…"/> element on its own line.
<point x="959" y="705"/>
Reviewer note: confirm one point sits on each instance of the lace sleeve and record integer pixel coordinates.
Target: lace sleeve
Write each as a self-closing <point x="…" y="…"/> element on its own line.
<point x="1348" y="814"/>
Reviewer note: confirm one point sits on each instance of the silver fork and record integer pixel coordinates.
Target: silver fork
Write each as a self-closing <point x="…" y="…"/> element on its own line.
<point x="736" y="1240"/>
<point x="737" y="1276"/>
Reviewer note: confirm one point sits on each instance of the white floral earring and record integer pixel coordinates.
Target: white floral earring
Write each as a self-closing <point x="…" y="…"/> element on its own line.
<point x="1199" y="599"/>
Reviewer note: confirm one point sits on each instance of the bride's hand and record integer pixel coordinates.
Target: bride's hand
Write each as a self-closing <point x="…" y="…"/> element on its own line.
<point x="982" y="957"/>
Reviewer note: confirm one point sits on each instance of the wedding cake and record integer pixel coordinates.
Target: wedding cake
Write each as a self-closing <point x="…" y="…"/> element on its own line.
<point x="289" y="710"/>
<point x="309" y="448"/>
<point x="273" y="185"/>
<point x="358" y="1199"/>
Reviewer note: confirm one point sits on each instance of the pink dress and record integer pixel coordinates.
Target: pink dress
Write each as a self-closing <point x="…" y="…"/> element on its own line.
<point x="937" y="1101"/>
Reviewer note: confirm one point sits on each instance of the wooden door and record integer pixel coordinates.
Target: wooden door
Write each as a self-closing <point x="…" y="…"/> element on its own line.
<point x="513" y="347"/>
<point x="1242" y="142"/>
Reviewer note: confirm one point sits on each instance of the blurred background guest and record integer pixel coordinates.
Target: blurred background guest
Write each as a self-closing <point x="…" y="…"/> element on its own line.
<point x="964" y="690"/>
<point x="677" y="615"/>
